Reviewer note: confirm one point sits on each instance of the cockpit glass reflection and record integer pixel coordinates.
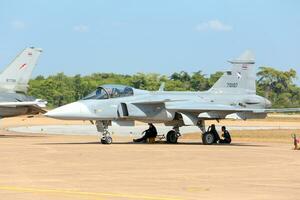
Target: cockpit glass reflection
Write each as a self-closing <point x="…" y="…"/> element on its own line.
<point x="110" y="91"/>
<point x="99" y="93"/>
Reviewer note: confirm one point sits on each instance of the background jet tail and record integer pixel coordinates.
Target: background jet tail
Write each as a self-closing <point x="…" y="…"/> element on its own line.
<point x="16" y="75"/>
<point x="241" y="78"/>
<point x="162" y="87"/>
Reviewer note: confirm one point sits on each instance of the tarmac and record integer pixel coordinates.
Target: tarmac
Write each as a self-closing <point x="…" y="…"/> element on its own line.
<point x="73" y="165"/>
<point x="50" y="167"/>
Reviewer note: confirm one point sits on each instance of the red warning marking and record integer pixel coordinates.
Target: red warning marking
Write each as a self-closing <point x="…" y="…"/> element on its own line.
<point x="23" y="66"/>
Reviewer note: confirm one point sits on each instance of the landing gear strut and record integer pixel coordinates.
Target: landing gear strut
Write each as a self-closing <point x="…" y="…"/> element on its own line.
<point x="173" y="135"/>
<point x="102" y="127"/>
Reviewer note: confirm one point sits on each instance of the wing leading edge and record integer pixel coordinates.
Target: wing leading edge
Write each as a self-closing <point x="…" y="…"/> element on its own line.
<point x="38" y="103"/>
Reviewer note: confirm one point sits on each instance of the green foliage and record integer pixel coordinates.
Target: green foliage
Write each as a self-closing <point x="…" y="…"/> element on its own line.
<point x="60" y="89"/>
<point x="278" y="87"/>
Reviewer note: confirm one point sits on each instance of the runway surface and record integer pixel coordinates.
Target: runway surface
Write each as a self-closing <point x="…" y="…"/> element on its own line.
<point x="63" y="160"/>
<point x="63" y="167"/>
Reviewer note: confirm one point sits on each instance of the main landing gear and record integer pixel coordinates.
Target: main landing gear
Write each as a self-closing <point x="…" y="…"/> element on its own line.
<point x="102" y="127"/>
<point x="208" y="137"/>
<point x="173" y="135"/>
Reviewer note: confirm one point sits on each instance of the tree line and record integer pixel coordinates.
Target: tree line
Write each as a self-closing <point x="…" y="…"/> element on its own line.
<point x="277" y="86"/>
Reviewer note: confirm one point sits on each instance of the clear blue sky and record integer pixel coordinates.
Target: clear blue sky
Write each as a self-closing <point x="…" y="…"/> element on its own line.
<point x="160" y="36"/>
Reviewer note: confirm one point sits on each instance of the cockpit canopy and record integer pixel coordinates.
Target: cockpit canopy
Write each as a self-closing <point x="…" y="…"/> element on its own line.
<point x="110" y="91"/>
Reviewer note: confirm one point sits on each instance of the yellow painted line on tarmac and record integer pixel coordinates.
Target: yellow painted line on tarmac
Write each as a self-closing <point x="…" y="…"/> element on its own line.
<point x="74" y="192"/>
<point x="197" y="189"/>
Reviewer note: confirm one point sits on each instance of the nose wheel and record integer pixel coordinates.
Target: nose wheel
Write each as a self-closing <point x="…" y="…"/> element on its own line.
<point x="106" y="140"/>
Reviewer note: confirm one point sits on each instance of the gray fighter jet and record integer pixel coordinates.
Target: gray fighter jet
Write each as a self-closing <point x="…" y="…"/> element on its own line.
<point x="14" y="83"/>
<point x="233" y="96"/>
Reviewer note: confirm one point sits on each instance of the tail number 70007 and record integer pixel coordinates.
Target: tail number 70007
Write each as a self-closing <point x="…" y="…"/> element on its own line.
<point x="232" y="85"/>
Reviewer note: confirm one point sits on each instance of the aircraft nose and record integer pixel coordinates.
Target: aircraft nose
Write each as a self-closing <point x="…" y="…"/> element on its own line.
<point x="74" y="110"/>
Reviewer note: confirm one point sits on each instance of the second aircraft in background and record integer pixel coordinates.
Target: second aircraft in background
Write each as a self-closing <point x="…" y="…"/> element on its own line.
<point x="14" y="83"/>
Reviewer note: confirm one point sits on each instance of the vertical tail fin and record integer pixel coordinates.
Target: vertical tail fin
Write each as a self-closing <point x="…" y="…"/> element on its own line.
<point x="16" y="75"/>
<point x="241" y="77"/>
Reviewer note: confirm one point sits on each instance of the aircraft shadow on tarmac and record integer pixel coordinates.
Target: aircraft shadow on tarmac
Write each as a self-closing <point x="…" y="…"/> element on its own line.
<point x="158" y="143"/>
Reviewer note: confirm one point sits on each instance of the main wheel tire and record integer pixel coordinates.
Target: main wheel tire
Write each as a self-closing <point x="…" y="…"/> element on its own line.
<point x="208" y="138"/>
<point x="172" y="137"/>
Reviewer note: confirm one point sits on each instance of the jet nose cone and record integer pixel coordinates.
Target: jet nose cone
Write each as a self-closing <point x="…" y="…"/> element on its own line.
<point x="52" y="113"/>
<point x="74" y="110"/>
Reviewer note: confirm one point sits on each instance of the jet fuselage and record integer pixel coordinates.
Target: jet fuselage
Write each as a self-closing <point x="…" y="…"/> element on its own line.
<point x="151" y="106"/>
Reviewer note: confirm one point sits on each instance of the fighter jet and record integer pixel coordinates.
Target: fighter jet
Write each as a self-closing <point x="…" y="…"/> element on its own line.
<point x="233" y="96"/>
<point x="14" y="83"/>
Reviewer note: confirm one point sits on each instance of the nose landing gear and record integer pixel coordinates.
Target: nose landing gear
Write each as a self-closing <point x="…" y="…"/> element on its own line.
<point x="102" y="127"/>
